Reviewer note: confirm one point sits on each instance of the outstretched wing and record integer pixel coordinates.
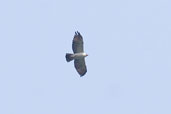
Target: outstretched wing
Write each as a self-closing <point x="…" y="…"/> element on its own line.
<point x="80" y="66"/>
<point x="77" y="43"/>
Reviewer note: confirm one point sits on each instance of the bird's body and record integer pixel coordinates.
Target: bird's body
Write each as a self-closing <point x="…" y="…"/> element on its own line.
<point x="79" y="55"/>
<point x="70" y="56"/>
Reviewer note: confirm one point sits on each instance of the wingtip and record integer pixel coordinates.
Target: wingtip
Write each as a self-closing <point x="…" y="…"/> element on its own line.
<point x="81" y="75"/>
<point x="77" y="33"/>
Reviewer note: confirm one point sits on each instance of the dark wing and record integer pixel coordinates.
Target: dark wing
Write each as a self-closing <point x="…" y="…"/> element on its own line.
<point x="77" y="43"/>
<point x="80" y="66"/>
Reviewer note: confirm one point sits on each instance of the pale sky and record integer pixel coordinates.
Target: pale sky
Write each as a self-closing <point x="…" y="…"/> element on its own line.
<point x="129" y="62"/>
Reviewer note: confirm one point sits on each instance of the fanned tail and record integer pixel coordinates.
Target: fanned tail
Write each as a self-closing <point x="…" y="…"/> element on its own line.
<point x="69" y="57"/>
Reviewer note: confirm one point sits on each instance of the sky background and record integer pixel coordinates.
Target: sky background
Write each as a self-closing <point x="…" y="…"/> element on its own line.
<point x="129" y="62"/>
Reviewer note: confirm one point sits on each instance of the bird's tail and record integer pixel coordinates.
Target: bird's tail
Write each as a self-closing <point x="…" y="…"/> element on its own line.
<point x="69" y="57"/>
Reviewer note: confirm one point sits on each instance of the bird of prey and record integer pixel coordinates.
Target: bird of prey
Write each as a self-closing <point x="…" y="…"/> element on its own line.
<point x="79" y="55"/>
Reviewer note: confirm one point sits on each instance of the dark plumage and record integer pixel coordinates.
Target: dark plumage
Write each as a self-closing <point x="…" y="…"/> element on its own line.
<point x="78" y="56"/>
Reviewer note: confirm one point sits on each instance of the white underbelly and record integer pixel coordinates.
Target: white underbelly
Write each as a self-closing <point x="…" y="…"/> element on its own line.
<point x="78" y="55"/>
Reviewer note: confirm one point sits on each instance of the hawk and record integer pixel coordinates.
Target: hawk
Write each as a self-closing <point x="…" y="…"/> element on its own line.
<point x="79" y="55"/>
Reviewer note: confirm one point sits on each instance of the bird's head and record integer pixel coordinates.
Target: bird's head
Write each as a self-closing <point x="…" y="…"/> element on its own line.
<point x="85" y="54"/>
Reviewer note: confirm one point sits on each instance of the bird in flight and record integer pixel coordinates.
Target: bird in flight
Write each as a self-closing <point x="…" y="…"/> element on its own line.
<point x="79" y="55"/>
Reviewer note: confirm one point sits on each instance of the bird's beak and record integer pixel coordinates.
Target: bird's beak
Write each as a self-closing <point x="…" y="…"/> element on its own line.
<point x="86" y="54"/>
